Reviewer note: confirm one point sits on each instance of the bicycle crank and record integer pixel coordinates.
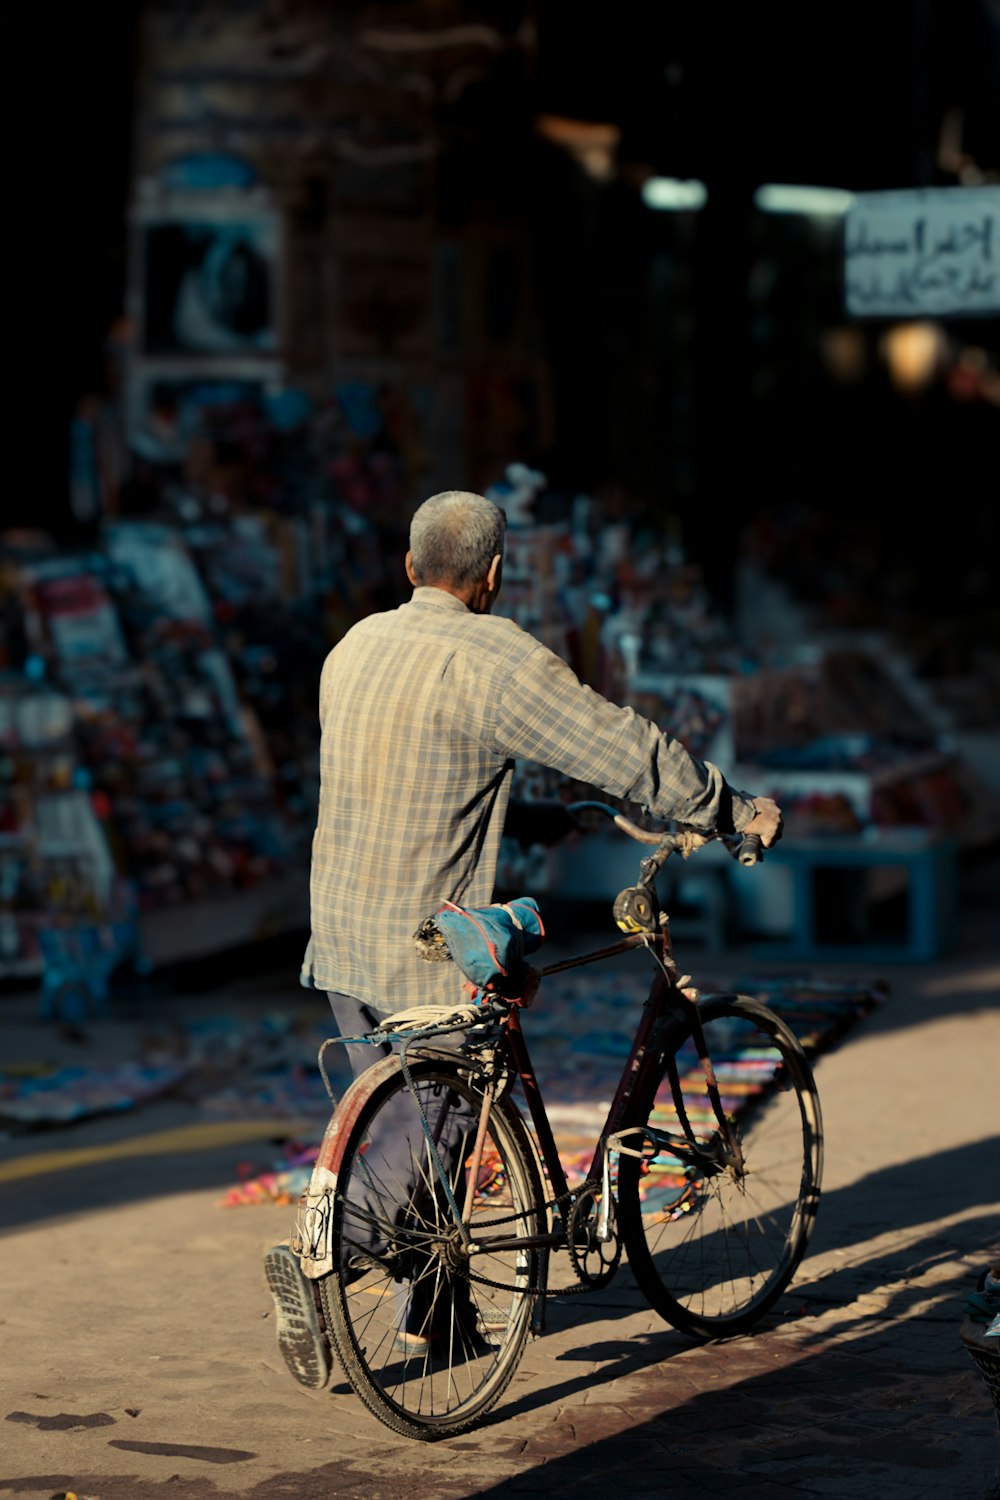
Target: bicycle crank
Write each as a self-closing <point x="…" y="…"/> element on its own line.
<point x="592" y="1237"/>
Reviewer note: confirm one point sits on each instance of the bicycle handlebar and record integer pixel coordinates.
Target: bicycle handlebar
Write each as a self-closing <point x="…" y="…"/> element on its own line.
<point x="749" y="851"/>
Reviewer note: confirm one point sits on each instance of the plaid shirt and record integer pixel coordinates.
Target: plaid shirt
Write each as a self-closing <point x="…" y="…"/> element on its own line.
<point x="424" y="710"/>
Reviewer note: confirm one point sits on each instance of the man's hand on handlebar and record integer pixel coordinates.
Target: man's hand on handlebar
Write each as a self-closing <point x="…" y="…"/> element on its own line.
<point x="767" y="824"/>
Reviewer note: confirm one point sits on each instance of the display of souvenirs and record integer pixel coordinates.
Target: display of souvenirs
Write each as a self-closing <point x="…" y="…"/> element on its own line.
<point x="131" y="762"/>
<point x="158" y="690"/>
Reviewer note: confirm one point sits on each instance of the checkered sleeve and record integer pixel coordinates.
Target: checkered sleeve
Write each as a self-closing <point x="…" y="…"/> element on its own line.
<point x="545" y="714"/>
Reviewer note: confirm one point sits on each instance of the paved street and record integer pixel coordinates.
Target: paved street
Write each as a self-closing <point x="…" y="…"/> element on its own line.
<point x="139" y="1356"/>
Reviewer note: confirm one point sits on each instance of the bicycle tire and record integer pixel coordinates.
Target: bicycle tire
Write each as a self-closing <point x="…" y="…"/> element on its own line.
<point x="713" y="1251"/>
<point x="395" y="1258"/>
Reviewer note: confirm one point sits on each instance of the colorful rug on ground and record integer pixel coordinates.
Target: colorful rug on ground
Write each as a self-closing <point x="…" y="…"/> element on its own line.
<point x="580" y="1035"/>
<point x="62" y="1096"/>
<point x="227" y="1068"/>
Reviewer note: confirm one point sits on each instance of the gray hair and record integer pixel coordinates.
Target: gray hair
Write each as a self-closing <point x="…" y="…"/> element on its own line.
<point x="455" y="536"/>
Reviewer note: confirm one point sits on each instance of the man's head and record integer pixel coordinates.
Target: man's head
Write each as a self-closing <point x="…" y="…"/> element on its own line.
<point x="456" y="544"/>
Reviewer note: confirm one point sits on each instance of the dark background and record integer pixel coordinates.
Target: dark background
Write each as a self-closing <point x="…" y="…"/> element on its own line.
<point x="686" y="357"/>
<point x="853" y="96"/>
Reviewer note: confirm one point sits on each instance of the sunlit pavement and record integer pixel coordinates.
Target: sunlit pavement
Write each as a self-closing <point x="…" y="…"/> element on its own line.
<point x="139" y="1356"/>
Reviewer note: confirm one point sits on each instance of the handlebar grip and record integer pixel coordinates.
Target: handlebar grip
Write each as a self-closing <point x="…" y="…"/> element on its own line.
<point x="751" y="850"/>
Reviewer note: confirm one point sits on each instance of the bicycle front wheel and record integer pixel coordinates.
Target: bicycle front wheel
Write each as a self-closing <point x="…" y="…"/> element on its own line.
<point x="714" y="1237"/>
<point x="428" y="1334"/>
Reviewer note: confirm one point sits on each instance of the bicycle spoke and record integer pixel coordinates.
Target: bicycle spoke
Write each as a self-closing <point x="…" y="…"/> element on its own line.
<point x="713" y="1241"/>
<point x="428" y="1345"/>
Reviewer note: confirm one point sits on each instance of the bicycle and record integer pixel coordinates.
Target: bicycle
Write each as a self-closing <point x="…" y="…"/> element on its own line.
<point x="433" y="1210"/>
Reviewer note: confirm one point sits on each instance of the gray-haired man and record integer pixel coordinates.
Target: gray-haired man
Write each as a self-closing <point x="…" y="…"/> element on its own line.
<point x="424" y="711"/>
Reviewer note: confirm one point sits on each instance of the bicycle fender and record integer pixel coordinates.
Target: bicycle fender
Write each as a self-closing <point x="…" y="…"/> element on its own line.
<point x="312" y="1238"/>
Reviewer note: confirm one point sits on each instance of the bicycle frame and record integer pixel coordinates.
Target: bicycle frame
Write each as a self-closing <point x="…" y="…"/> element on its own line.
<point x="666" y="999"/>
<point x="439" y="1196"/>
<point x="517" y="1043"/>
<point x="670" y="997"/>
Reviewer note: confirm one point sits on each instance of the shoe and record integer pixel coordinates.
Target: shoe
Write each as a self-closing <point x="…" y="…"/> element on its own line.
<point x="457" y="1322"/>
<point x="301" y="1338"/>
<point x="476" y="1344"/>
<point x="478" y="1320"/>
<point x="492" y="1322"/>
<point x="983" y="1305"/>
<point x="413" y="1345"/>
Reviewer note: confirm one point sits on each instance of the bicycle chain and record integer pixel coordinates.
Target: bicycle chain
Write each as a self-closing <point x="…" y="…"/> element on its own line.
<point x="559" y="1203"/>
<point x="531" y="1291"/>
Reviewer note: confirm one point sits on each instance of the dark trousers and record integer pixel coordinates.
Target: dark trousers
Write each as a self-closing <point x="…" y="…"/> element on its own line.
<point x="387" y="1175"/>
<point x="354" y="1018"/>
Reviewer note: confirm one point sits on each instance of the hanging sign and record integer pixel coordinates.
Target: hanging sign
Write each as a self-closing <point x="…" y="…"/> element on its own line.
<point x="929" y="252"/>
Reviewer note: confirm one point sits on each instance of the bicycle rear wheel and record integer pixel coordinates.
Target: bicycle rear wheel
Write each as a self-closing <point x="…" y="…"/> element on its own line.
<point x="429" y="1336"/>
<point x="713" y="1244"/>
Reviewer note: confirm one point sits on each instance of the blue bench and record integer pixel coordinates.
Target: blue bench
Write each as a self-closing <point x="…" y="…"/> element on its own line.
<point x="927" y="866"/>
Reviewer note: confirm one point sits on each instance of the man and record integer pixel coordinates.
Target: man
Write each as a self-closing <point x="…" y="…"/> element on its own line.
<point x="424" y="711"/>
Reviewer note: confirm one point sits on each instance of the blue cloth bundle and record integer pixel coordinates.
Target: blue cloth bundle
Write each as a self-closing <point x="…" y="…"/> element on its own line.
<point x="489" y="943"/>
